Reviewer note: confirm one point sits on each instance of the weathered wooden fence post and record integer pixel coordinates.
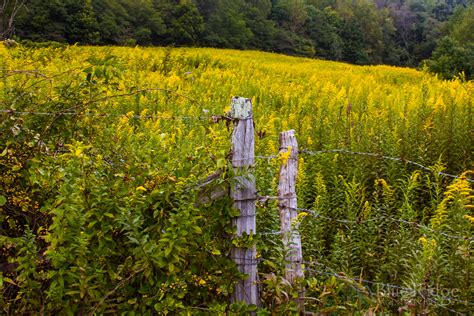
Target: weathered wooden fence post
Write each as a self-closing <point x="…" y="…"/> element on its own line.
<point x="287" y="203"/>
<point x="244" y="194"/>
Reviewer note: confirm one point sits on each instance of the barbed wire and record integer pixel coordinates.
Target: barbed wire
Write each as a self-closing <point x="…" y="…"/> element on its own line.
<point x="345" y="151"/>
<point x="217" y="118"/>
<point x="100" y="115"/>
<point x="381" y="283"/>
<point x="268" y="158"/>
<point x="386" y="285"/>
<point x="71" y="110"/>
<point x="318" y="214"/>
<point x="358" y="279"/>
<point x="249" y="261"/>
<point x="379" y="156"/>
<point x="444" y="307"/>
<point x="428" y="228"/>
<point x="33" y="72"/>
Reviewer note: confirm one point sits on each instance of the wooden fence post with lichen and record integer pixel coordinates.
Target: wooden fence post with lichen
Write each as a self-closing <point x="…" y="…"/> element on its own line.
<point x="243" y="193"/>
<point x="287" y="204"/>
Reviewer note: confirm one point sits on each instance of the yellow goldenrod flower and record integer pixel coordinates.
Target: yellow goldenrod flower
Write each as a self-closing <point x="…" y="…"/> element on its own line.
<point x="284" y="156"/>
<point x="469" y="218"/>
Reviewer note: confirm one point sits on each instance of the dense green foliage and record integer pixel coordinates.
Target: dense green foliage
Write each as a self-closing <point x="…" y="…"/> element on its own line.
<point x="103" y="219"/>
<point x="454" y="55"/>
<point x="102" y="150"/>
<point x="363" y="32"/>
<point x="452" y="59"/>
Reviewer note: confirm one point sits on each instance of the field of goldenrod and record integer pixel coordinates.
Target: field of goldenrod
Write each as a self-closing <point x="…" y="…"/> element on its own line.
<point x="101" y="148"/>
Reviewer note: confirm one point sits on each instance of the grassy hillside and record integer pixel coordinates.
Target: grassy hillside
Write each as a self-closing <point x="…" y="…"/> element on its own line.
<point x="102" y="149"/>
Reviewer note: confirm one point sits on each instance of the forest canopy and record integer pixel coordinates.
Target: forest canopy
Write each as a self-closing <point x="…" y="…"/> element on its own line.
<point x="395" y="32"/>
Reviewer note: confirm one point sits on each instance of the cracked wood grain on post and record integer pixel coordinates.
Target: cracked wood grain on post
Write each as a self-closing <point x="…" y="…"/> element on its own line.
<point x="288" y="205"/>
<point x="243" y="193"/>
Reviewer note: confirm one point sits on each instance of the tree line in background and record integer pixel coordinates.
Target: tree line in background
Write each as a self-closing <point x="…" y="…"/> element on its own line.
<point x="437" y="33"/>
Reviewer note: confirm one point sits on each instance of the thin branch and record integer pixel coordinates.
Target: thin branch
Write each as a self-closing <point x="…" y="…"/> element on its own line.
<point x="121" y="284"/>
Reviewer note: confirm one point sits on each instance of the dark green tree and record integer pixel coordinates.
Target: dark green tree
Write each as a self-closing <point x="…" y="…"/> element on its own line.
<point x="323" y="27"/>
<point x="391" y="53"/>
<point x="226" y="25"/>
<point x="264" y="30"/>
<point x="293" y="44"/>
<point x="113" y="20"/>
<point x="47" y="23"/>
<point x="398" y="32"/>
<point x="461" y="25"/>
<point x="454" y="53"/>
<point x="291" y="15"/>
<point x="80" y="23"/>
<point x="146" y="23"/>
<point x="361" y="32"/>
<point x="451" y="59"/>
<point x="184" y="24"/>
